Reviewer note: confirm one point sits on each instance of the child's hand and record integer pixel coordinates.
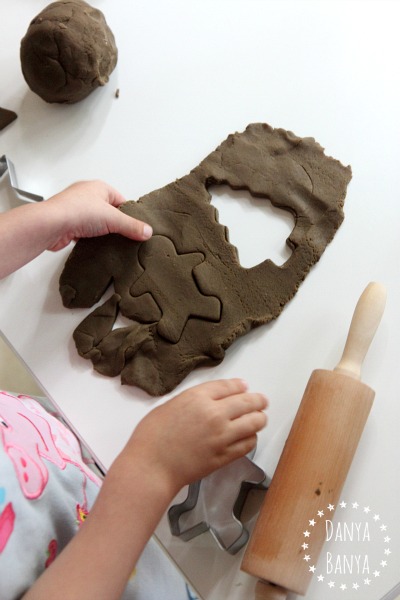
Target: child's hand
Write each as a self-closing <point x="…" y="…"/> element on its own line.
<point x="85" y="209"/>
<point x="183" y="440"/>
<point x="199" y="431"/>
<point x="89" y="209"/>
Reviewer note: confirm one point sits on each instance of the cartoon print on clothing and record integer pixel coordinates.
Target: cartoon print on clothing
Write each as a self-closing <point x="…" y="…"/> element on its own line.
<point x="51" y="553"/>
<point x="39" y="452"/>
<point x="7" y="518"/>
<point x="30" y="435"/>
<point x="43" y="480"/>
<point x="81" y="514"/>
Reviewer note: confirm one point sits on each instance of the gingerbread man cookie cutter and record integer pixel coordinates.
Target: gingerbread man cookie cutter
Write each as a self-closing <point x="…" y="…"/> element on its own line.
<point x="393" y="594"/>
<point x="7" y="166"/>
<point x="215" y="504"/>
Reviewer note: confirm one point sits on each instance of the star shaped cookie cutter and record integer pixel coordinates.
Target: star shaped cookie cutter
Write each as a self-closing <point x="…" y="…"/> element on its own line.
<point x="215" y="504"/>
<point x="6" y="166"/>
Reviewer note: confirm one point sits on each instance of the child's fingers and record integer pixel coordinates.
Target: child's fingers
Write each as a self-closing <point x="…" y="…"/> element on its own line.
<point x="129" y="227"/>
<point x="222" y="388"/>
<point x="246" y="426"/>
<point x="242" y="447"/>
<point x="241" y="404"/>
<point x="115" y="198"/>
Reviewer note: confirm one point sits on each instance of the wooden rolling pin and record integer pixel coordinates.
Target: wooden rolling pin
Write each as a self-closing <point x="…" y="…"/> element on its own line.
<point x="314" y="463"/>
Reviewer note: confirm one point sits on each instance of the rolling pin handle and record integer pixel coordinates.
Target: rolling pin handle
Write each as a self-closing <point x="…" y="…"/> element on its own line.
<point x="269" y="591"/>
<point x="365" y="321"/>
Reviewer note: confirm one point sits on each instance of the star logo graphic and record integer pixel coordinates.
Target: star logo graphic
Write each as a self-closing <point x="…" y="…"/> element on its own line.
<point x="340" y="582"/>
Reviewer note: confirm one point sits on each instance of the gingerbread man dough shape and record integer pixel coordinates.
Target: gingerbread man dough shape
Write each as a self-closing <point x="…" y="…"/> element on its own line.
<point x="185" y="291"/>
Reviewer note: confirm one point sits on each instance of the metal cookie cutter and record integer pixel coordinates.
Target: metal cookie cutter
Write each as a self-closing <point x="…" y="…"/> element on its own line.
<point x="215" y="503"/>
<point x="7" y="166"/>
<point x="393" y="594"/>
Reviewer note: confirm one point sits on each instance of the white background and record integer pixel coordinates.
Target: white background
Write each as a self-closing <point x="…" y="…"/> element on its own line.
<point x="189" y="73"/>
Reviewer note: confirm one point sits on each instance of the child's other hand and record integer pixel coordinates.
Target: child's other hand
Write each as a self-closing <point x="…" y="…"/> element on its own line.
<point x="183" y="440"/>
<point x="199" y="431"/>
<point x="89" y="209"/>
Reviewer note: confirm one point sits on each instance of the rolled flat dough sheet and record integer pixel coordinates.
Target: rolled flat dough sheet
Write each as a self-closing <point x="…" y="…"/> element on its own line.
<point x="184" y="290"/>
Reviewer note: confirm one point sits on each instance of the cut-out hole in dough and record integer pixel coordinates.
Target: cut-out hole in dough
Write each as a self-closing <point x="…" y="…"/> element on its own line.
<point x="121" y="322"/>
<point x="256" y="227"/>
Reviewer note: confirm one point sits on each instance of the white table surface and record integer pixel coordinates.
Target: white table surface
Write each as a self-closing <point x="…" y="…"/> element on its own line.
<point x="189" y="73"/>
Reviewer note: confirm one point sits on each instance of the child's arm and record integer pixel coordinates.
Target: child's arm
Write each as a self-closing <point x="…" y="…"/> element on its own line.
<point x="85" y="209"/>
<point x="181" y="441"/>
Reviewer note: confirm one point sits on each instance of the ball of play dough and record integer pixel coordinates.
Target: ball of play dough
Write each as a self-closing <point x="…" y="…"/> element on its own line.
<point x="67" y="51"/>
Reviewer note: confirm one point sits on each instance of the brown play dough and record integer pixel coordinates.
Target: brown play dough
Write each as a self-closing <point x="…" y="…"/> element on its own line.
<point x="6" y="117"/>
<point x="184" y="290"/>
<point x="68" y="51"/>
